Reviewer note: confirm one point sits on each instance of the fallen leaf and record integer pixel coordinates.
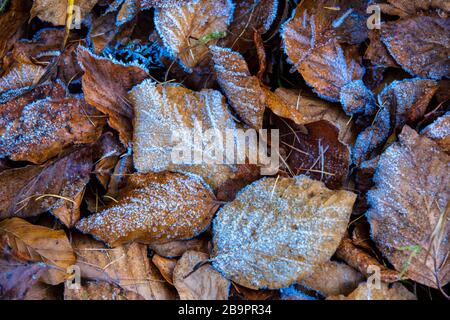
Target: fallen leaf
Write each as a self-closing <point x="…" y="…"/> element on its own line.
<point x="100" y="290"/>
<point x="242" y="90"/>
<point x="165" y="267"/>
<point x="439" y="131"/>
<point x="377" y="52"/>
<point x="126" y="266"/>
<point x="158" y="207"/>
<point x="18" y="76"/>
<point x="55" y="11"/>
<point x="357" y="99"/>
<point x="408" y="204"/>
<point x="186" y="29"/>
<point x="43" y="291"/>
<point x="277" y="230"/>
<point x="419" y="44"/>
<point x="199" y="283"/>
<point x="385" y="292"/>
<point x="108" y="92"/>
<point x="35" y="243"/>
<point x="405" y="8"/>
<point x="177" y="248"/>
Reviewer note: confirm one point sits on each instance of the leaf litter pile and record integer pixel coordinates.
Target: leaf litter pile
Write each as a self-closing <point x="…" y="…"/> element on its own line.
<point x="93" y="207"/>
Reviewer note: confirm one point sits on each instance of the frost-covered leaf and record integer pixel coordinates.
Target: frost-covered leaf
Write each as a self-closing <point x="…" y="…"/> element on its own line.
<point x="157" y="208"/>
<point x="35" y="243"/>
<point x="105" y="86"/>
<point x="317" y="153"/>
<point x="384" y="292"/>
<point x="405" y="8"/>
<point x="316" y="53"/>
<point x="333" y="278"/>
<point x="161" y="111"/>
<point x="57" y="186"/>
<point x="20" y="75"/>
<point x="377" y="52"/>
<point x="203" y="283"/>
<point x="242" y="90"/>
<point x="408" y="205"/>
<point x="278" y="230"/>
<point x="420" y="44"/>
<point x="55" y="11"/>
<point x="100" y="290"/>
<point x="357" y="99"/>
<point x="186" y="29"/>
<point x="126" y="266"/>
<point x="307" y="110"/>
<point x="399" y="103"/>
<point x="439" y="131"/>
<point x="43" y="128"/>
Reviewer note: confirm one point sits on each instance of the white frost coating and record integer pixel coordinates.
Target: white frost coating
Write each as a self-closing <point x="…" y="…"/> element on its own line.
<point x="275" y="232"/>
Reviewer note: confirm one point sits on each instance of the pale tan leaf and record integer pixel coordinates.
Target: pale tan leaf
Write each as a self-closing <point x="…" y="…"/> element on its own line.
<point x="203" y="283"/>
<point x="278" y="230"/>
<point x="165" y="267"/>
<point x="366" y="292"/>
<point x="100" y="290"/>
<point x="55" y="11"/>
<point x="176" y="248"/>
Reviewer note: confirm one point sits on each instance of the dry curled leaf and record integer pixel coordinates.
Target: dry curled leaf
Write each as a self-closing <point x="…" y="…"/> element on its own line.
<point x="158" y="207"/>
<point x="242" y="90"/>
<point x="408" y="208"/>
<point x="439" y="131"/>
<point x="107" y="91"/>
<point x="186" y="29"/>
<point x="420" y="44"/>
<point x="100" y="290"/>
<point x="165" y="120"/>
<point x="165" y="267"/>
<point x="385" y="292"/>
<point x="57" y="186"/>
<point x="35" y="243"/>
<point x="199" y="283"/>
<point x="126" y="266"/>
<point x="55" y="11"/>
<point x="176" y="248"/>
<point x="277" y="231"/>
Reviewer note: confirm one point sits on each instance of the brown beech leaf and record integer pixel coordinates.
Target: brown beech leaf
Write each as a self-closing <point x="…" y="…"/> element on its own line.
<point x="318" y="153"/>
<point x="176" y="248"/>
<point x="439" y="131"/>
<point x="249" y="16"/>
<point x="315" y="51"/>
<point x="55" y="11"/>
<point x="186" y="29"/>
<point x="420" y="44"/>
<point x="278" y="230"/>
<point x="57" y="186"/>
<point x="405" y="8"/>
<point x="43" y="291"/>
<point x="377" y="52"/>
<point x="165" y="267"/>
<point x="39" y="244"/>
<point x="107" y="91"/>
<point x="303" y="110"/>
<point x="161" y="111"/>
<point x="126" y="266"/>
<point x="100" y="290"/>
<point x="17" y="276"/>
<point x="364" y="291"/>
<point x="333" y="278"/>
<point x="19" y="75"/>
<point x="157" y="208"/>
<point x="245" y="175"/>
<point x="45" y="127"/>
<point x="399" y="103"/>
<point x="238" y="292"/>
<point x="199" y="283"/>
<point x="12" y="21"/>
<point x="242" y="90"/>
<point x="409" y="204"/>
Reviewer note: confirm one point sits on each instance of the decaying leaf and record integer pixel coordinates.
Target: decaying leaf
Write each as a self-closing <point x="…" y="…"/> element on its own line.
<point x="165" y="267"/>
<point x="18" y="76"/>
<point x="43" y="291"/>
<point x="405" y="8"/>
<point x="242" y="90"/>
<point x="57" y="186"/>
<point x="377" y="52"/>
<point x="177" y="248"/>
<point x="55" y="11"/>
<point x="35" y="243"/>
<point x="365" y="291"/>
<point x="166" y="119"/>
<point x="439" y="131"/>
<point x="277" y="230"/>
<point x="203" y="283"/>
<point x="408" y="214"/>
<point x="126" y="266"/>
<point x="100" y="290"/>
<point x="420" y="44"/>
<point x="107" y="91"/>
<point x="312" y="47"/>
<point x="333" y="278"/>
<point x="185" y="30"/>
<point x="158" y="207"/>
<point x="357" y="99"/>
